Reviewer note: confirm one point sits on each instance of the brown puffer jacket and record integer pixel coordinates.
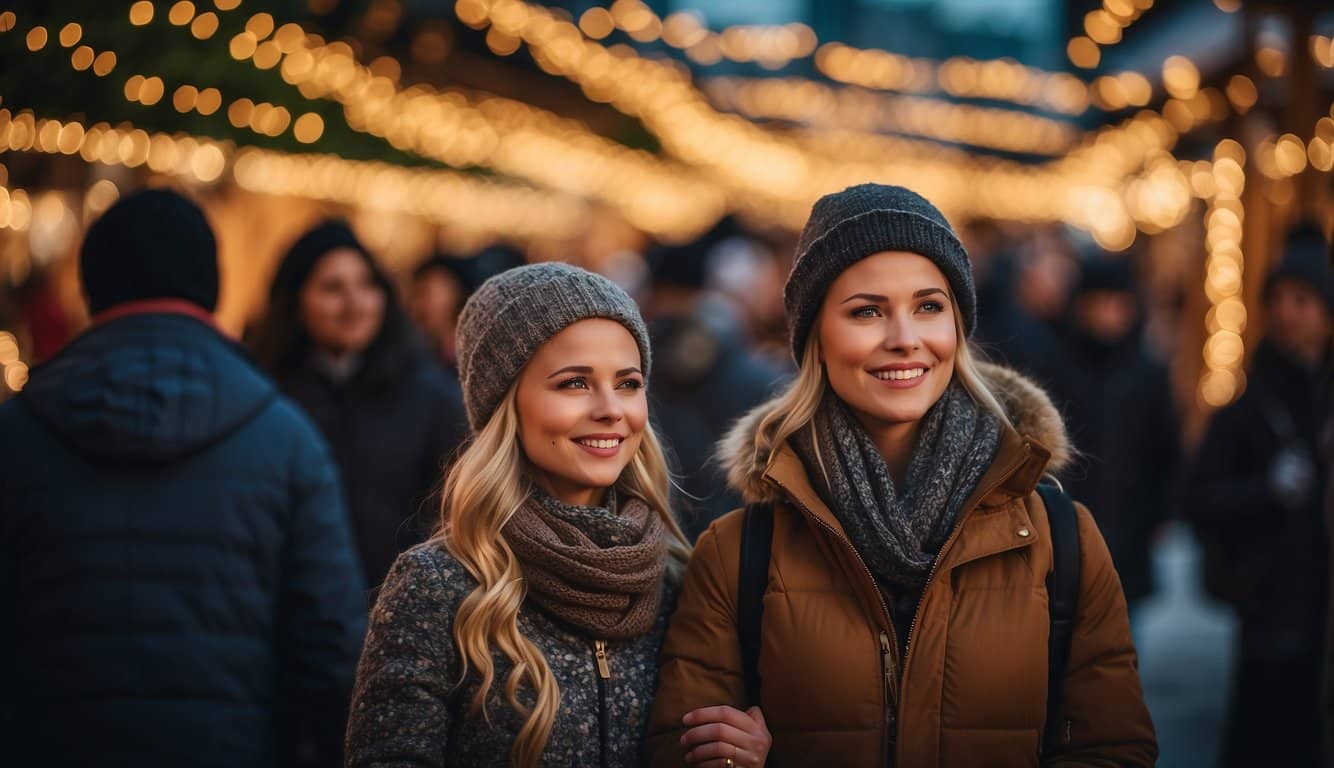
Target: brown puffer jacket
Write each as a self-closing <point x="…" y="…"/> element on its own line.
<point x="972" y="688"/>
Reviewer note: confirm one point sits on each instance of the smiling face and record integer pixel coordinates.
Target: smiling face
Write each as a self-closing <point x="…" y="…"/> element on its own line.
<point x="342" y="306"/>
<point x="582" y="409"/>
<point x="888" y="338"/>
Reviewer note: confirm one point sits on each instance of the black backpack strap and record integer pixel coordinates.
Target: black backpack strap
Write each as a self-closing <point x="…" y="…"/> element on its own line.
<point x="1062" y="600"/>
<point x="756" y="537"/>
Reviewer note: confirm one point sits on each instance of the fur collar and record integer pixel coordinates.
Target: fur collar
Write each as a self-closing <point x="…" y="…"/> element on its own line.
<point x="1026" y="404"/>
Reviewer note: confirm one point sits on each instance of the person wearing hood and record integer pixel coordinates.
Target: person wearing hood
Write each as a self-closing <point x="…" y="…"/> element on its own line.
<point x="1129" y="458"/>
<point x="338" y="343"/>
<point x="712" y="377"/>
<point x="178" y="584"/>
<point x="904" y="606"/>
<point x="1255" y="494"/>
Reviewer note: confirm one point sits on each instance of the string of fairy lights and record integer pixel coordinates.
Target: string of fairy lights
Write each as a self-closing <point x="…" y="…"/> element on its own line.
<point x="1224" y="349"/>
<point x="448" y="198"/>
<point x="509" y="136"/>
<point x="327" y="66"/>
<point x="1113" y="182"/>
<point x="818" y="105"/>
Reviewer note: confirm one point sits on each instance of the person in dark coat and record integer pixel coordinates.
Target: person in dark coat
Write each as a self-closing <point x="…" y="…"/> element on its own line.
<point x="339" y="344"/>
<point x="1008" y="333"/>
<point x="1255" y="495"/>
<point x="709" y="378"/>
<point x="178" y="584"/>
<point x="1130" y="456"/>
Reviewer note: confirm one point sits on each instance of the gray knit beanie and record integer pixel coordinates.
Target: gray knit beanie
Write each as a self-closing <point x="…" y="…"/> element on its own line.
<point x="513" y="313"/>
<point x="846" y="227"/>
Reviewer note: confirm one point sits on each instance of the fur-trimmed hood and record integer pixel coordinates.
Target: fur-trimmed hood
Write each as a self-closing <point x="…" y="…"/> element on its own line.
<point x="1025" y="403"/>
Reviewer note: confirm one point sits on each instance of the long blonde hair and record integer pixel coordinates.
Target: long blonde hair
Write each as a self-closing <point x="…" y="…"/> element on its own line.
<point x="786" y="414"/>
<point x="483" y="488"/>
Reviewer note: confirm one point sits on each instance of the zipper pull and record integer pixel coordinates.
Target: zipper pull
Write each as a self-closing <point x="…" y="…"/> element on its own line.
<point x="891" y="689"/>
<point x="891" y="676"/>
<point x="600" y="651"/>
<point x="886" y="663"/>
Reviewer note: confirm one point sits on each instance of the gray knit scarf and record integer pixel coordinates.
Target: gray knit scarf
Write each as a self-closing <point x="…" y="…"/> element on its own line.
<point x="899" y="531"/>
<point x="598" y="569"/>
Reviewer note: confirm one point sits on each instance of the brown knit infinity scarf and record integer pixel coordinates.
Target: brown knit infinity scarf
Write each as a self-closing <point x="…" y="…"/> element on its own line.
<point x="597" y="568"/>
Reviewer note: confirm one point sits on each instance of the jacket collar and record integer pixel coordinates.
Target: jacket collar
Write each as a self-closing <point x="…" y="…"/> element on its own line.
<point x="156" y="307"/>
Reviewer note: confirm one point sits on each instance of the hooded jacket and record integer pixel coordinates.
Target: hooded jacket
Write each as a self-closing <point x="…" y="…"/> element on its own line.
<point x="178" y="584"/>
<point x="971" y="687"/>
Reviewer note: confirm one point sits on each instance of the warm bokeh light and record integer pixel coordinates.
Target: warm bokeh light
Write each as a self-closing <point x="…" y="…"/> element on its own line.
<point x="82" y="58"/>
<point x="260" y="25"/>
<point x="181" y="13"/>
<point x="104" y="63"/>
<point x="141" y="13"/>
<point x="71" y="34"/>
<point x="36" y="38"/>
<point x="204" y="26"/>
<point x="308" y="128"/>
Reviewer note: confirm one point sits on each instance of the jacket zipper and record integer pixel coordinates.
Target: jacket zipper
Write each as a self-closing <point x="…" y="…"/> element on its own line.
<point x="888" y="650"/>
<point x="935" y="564"/>
<point x="604" y="674"/>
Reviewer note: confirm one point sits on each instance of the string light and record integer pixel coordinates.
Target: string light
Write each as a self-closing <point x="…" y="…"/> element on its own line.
<point x="15" y="209"/>
<point x="510" y="136"/>
<point x="1224" y="348"/>
<point x="723" y="161"/>
<point x="1283" y="157"/>
<point x="149" y="90"/>
<point x="814" y="104"/>
<point x="460" y="201"/>
<point x="960" y="76"/>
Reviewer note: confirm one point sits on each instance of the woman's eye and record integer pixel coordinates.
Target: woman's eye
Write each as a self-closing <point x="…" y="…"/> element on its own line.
<point x="867" y="311"/>
<point x="577" y="382"/>
<point x="631" y="384"/>
<point x="932" y="306"/>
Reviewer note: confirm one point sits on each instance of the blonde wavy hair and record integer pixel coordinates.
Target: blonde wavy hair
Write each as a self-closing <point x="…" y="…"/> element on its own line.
<point x="483" y="488"/>
<point x="789" y="412"/>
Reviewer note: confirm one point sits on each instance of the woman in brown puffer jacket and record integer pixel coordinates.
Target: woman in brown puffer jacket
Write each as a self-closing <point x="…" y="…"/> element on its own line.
<point x="905" y="617"/>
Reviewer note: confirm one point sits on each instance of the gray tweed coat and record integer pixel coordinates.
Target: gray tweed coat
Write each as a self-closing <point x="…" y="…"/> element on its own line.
<point x="411" y="705"/>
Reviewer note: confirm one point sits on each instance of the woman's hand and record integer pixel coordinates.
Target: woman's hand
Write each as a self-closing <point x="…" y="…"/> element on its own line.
<point x="723" y="737"/>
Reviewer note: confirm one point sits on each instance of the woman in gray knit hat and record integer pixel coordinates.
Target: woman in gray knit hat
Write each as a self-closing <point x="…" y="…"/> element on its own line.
<point x="898" y="611"/>
<point x="527" y="630"/>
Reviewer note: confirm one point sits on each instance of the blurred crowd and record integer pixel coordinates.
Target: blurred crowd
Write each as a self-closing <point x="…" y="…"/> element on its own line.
<point x="368" y="358"/>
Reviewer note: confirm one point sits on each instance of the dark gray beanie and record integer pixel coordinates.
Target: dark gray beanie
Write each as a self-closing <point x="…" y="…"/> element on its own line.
<point x="512" y="314"/>
<point x="846" y="227"/>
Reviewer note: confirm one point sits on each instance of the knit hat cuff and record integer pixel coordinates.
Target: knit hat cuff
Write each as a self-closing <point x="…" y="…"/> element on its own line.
<point x="857" y="237"/>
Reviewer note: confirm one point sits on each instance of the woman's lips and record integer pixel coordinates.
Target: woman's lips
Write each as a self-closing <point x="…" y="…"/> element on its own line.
<point x="602" y="447"/>
<point x="901" y="378"/>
